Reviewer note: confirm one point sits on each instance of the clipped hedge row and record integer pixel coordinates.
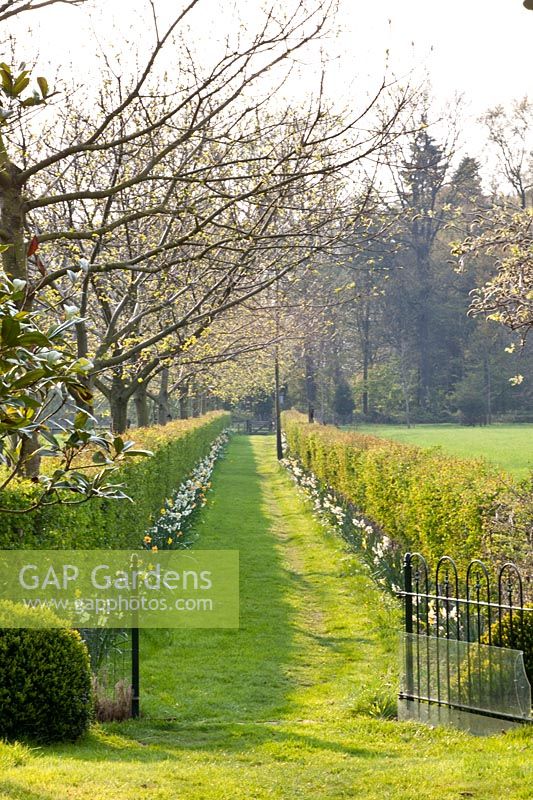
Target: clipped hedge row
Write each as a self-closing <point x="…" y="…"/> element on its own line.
<point x="424" y="499"/>
<point x="103" y="523"/>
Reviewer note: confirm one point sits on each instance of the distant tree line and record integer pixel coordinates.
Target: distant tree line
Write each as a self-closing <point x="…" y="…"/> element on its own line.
<point x="412" y="326"/>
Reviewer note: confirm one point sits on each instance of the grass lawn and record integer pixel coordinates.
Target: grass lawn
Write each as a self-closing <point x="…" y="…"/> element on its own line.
<point x="288" y="706"/>
<point x="508" y="446"/>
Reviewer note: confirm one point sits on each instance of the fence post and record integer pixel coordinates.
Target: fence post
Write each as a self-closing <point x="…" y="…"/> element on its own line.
<point x="408" y="589"/>
<point x="135" y="678"/>
<point x="135" y="687"/>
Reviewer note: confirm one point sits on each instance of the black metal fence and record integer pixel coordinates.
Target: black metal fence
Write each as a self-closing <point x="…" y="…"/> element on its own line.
<point x="114" y="656"/>
<point x="464" y="640"/>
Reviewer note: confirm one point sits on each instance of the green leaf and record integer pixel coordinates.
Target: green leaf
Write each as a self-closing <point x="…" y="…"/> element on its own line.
<point x="21" y="83"/>
<point x="43" y="86"/>
<point x="118" y="444"/>
<point x="81" y="394"/>
<point x="31" y="101"/>
<point x="33" y="376"/>
<point x="25" y="400"/>
<point x="34" y="338"/>
<point x="81" y="419"/>
<point x="7" y="80"/>
<point x="43" y="451"/>
<point x="53" y="333"/>
<point x="10" y="331"/>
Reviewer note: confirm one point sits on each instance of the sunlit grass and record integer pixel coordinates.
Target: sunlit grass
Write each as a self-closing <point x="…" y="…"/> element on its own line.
<point x="510" y="447"/>
<point x="291" y="705"/>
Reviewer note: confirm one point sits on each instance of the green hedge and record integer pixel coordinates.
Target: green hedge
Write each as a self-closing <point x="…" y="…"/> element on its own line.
<point x="424" y="499"/>
<point x="45" y="681"/>
<point x="102" y="523"/>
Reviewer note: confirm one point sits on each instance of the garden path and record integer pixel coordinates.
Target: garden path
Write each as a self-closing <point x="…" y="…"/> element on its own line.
<point x="288" y="707"/>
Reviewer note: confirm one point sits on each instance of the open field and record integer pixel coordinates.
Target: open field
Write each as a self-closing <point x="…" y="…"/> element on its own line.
<point x="296" y="704"/>
<point x="510" y="447"/>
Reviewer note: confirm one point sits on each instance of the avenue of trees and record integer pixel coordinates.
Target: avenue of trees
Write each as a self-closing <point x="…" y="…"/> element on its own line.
<point x="190" y="233"/>
<point x="178" y="198"/>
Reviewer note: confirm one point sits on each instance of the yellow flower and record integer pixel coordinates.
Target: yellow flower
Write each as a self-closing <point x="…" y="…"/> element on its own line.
<point x="147" y="539"/>
<point x="162" y="511"/>
<point x="169" y="540"/>
<point x="154" y="549"/>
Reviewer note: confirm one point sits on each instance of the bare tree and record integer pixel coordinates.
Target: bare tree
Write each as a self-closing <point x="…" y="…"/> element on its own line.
<point x="508" y="133"/>
<point x="170" y="204"/>
<point x="11" y="8"/>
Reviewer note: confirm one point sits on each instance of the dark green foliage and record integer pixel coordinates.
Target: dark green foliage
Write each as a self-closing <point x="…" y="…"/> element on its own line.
<point x="45" y="685"/>
<point x="470" y="402"/>
<point x="343" y="403"/>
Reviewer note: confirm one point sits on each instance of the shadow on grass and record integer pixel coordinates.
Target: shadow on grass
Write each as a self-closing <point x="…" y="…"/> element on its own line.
<point x="153" y="742"/>
<point x="218" y="690"/>
<point x="13" y="790"/>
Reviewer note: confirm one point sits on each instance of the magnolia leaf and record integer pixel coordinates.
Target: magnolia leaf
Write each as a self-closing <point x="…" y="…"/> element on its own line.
<point x="29" y="378"/>
<point x="81" y="419"/>
<point x="21" y="83"/>
<point x="10" y="331"/>
<point x="43" y="86"/>
<point x="31" y="101"/>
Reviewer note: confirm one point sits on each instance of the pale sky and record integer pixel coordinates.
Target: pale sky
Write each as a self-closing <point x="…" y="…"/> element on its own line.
<point x="478" y="48"/>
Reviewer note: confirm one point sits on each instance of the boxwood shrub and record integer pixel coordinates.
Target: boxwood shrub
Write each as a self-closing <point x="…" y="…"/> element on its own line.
<point x="45" y="682"/>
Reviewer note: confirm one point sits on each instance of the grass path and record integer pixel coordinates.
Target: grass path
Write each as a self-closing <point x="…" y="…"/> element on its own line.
<point x="280" y="708"/>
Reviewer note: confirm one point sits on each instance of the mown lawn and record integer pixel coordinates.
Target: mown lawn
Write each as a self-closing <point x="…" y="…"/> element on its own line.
<point x="291" y="705"/>
<point x="510" y="447"/>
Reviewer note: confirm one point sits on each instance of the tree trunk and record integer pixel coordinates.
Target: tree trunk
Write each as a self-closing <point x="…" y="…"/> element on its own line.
<point x="366" y="357"/>
<point x="195" y="406"/>
<point x="164" y="414"/>
<point x="119" y="414"/>
<point x="141" y="406"/>
<point x="310" y="385"/>
<point x="422" y="326"/>
<point x="15" y="265"/>
<point x="31" y="464"/>
<point x="14" y="259"/>
<point x="184" y="402"/>
<point x="488" y="388"/>
<point x="407" y="407"/>
<point x="277" y="406"/>
<point x="118" y="402"/>
<point x="365" y="385"/>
